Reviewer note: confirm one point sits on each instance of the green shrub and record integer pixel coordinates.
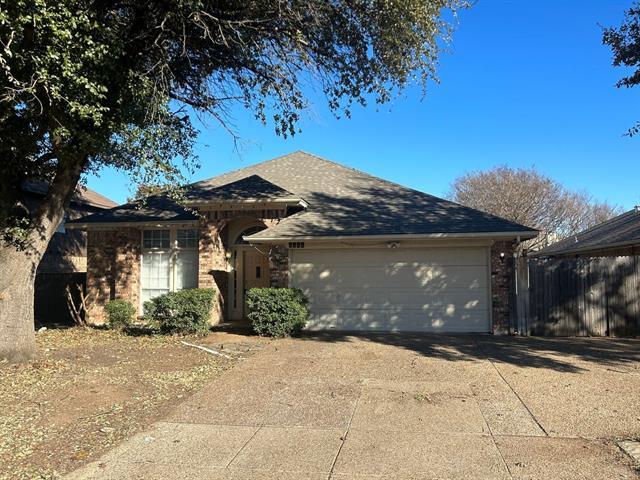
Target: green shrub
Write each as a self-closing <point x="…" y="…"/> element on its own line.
<point x="277" y="312"/>
<point x="183" y="312"/>
<point x="120" y="313"/>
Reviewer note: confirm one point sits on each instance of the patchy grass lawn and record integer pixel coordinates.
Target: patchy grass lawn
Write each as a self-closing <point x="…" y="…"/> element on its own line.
<point x="88" y="389"/>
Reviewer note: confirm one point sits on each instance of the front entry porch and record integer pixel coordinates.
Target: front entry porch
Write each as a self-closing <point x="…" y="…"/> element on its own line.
<point x="231" y="266"/>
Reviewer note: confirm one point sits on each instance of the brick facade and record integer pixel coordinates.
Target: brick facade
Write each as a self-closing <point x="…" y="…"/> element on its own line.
<point x="502" y="284"/>
<point x="279" y="266"/>
<point x="215" y="245"/>
<point x="212" y="261"/>
<point x="113" y="269"/>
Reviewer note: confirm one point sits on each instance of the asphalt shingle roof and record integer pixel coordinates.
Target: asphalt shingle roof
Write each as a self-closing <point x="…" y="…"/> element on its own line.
<point x="82" y="196"/>
<point x="155" y="209"/>
<point x="251" y="188"/>
<point x="621" y="230"/>
<point x="342" y="202"/>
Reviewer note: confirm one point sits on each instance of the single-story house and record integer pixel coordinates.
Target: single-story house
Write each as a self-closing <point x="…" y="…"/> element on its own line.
<point x="65" y="261"/>
<point x="618" y="236"/>
<point x="370" y="254"/>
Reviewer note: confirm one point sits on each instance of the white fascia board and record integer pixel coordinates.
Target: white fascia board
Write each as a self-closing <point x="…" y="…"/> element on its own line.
<point x="115" y="225"/>
<point x="399" y="237"/>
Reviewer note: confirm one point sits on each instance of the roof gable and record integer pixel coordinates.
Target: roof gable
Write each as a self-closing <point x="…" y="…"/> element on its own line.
<point x="346" y="201"/>
<point x="253" y="188"/>
<point x="341" y="201"/>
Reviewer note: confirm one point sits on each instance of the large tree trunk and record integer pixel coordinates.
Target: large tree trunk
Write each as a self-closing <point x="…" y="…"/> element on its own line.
<point x="18" y="267"/>
<point x="17" y="278"/>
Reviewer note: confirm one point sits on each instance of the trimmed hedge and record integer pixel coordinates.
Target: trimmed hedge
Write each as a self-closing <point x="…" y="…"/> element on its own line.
<point x="182" y="312"/>
<point x="120" y="313"/>
<point x="277" y="312"/>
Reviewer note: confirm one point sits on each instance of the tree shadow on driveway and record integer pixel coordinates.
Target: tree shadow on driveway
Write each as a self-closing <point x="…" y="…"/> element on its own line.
<point x="559" y="354"/>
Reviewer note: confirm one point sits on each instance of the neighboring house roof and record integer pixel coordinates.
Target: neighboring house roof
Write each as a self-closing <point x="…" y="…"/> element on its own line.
<point x="83" y="195"/>
<point x="347" y="202"/>
<point x="620" y="231"/>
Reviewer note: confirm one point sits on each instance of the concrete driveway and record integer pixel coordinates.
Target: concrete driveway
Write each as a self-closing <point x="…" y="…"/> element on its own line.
<point x="401" y="407"/>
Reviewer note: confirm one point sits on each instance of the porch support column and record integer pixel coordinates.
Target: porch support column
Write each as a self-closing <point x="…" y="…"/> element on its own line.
<point x="212" y="263"/>
<point x="502" y="286"/>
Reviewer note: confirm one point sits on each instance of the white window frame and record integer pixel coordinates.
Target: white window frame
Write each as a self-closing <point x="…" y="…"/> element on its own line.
<point x="173" y="251"/>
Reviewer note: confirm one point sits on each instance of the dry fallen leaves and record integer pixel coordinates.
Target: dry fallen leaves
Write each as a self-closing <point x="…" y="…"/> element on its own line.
<point x="87" y="390"/>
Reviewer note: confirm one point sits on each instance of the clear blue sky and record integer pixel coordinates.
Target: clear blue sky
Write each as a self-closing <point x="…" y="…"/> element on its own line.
<point x="524" y="84"/>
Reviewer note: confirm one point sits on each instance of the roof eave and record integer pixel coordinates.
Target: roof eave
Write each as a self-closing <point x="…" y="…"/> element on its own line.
<point x="285" y="200"/>
<point x="495" y="235"/>
<point x="573" y="251"/>
<point x="116" y="224"/>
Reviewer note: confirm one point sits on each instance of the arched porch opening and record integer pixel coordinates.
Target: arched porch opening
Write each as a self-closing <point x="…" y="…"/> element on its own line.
<point x="249" y="265"/>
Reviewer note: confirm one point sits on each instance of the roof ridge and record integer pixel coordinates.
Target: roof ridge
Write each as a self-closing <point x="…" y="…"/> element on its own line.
<point x="232" y="172"/>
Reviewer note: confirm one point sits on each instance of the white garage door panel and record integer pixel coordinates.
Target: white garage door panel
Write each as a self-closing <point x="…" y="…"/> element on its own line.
<point x="435" y="289"/>
<point x="433" y="278"/>
<point x="451" y="302"/>
<point x="407" y="321"/>
<point x="443" y="256"/>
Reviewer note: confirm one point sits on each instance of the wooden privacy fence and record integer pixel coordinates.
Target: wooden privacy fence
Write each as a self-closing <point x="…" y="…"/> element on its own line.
<point x="50" y="301"/>
<point x="578" y="296"/>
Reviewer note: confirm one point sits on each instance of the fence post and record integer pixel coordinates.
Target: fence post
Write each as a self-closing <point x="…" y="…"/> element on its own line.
<point x="522" y="295"/>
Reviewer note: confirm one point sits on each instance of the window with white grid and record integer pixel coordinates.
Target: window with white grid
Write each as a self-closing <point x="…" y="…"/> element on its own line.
<point x="169" y="261"/>
<point x="155" y="278"/>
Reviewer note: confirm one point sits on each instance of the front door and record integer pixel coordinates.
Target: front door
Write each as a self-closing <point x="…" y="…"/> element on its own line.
<point x="255" y="271"/>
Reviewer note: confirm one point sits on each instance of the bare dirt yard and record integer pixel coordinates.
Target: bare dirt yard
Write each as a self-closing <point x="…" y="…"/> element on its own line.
<point x="89" y="389"/>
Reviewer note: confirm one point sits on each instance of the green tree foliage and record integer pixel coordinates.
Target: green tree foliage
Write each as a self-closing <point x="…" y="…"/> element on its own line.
<point x="113" y="82"/>
<point x="624" y="42"/>
<point x="91" y="83"/>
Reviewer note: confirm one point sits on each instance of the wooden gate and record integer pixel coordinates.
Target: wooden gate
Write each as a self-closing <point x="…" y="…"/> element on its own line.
<point x="580" y="297"/>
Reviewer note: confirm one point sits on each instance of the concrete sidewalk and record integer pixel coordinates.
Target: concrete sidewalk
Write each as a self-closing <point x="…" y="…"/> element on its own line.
<point x="400" y="407"/>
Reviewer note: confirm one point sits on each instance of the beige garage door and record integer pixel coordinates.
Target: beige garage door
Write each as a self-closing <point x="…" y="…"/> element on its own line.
<point x="411" y="290"/>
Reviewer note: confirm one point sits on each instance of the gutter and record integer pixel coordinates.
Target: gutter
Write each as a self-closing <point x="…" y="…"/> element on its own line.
<point x="114" y="225"/>
<point x="286" y="201"/>
<point x="506" y="235"/>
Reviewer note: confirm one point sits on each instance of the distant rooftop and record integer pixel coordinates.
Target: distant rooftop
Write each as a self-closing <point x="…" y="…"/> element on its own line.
<point x="620" y="231"/>
<point x="83" y="195"/>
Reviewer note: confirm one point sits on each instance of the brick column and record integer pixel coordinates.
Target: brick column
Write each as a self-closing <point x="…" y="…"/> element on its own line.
<point x="502" y="282"/>
<point x="279" y="266"/>
<point x="212" y="262"/>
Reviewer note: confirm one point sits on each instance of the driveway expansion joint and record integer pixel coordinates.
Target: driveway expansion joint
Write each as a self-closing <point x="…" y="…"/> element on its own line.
<point x="512" y="390"/>
<point x="346" y="433"/>
<point x="243" y="446"/>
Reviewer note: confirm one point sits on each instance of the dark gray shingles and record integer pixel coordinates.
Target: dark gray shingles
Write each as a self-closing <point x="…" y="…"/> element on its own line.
<point x="345" y="201"/>
<point x="155" y="209"/>
<point x="161" y="208"/>
<point x="623" y="229"/>
<point x="83" y="195"/>
<point x="251" y="188"/>
<point x="342" y="201"/>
